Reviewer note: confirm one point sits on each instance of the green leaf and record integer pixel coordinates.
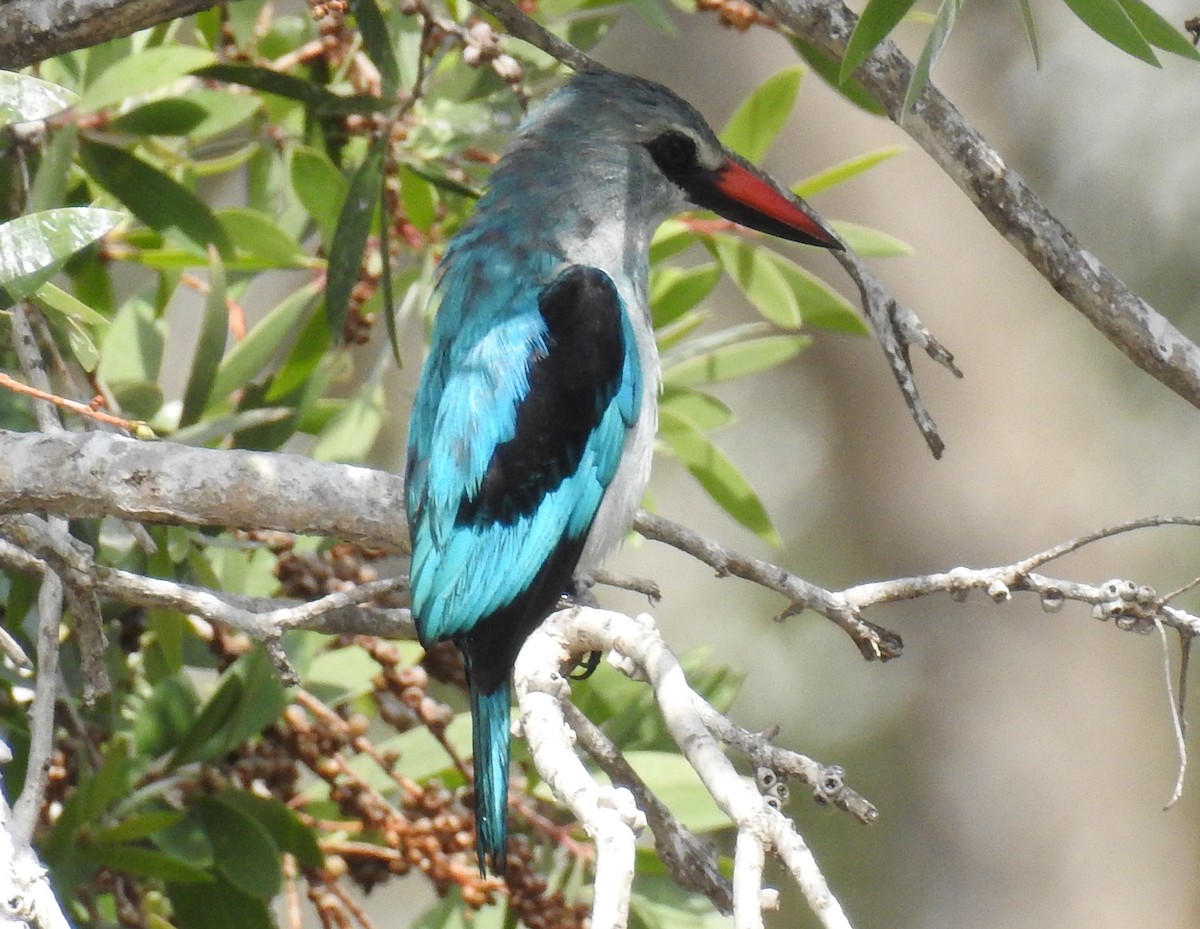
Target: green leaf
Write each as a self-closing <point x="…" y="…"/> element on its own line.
<point x="249" y="356"/>
<point x="204" y="739"/>
<point x="671" y="238"/>
<point x="139" y="827"/>
<point x="870" y="243"/>
<point x="311" y="94"/>
<point x="844" y="171"/>
<point x="224" y="109"/>
<point x="165" y="716"/>
<point x="704" y="410"/>
<point x="1031" y="32"/>
<point x="24" y="98"/>
<point x="938" y="36"/>
<point x="319" y="186"/>
<point x="827" y="67"/>
<point x="820" y="305"/>
<point x="219" y="905"/>
<point x="141" y="73"/>
<point x="716" y="473"/>
<point x="255" y="233"/>
<point x="99" y="790"/>
<point x="54" y="171"/>
<point x="302" y="361"/>
<point x="730" y="354"/>
<point x="878" y="18"/>
<point x="243" y="851"/>
<point x="35" y="246"/>
<point x="146" y="862"/>
<point x="1158" y="31"/>
<point x="263" y="698"/>
<point x="350" y="238"/>
<point x="54" y="300"/>
<point x="378" y="44"/>
<point x="673" y="780"/>
<point x="758" y="121"/>
<point x="282" y="824"/>
<point x="757" y="275"/>
<point x="156" y="199"/>
<point x="655" y="15"/>
<point x="210" y="344"/>
<point x="132" y="349"/>
<point x="171" y="117"/>
<point x="351" y="434"/>
<point x="214" y="428"/>
<point x="1110" y="20"/>
<point x="417" y="195"/>
<point x="658" y="903"/>
<point x="83" y="347"/>
<point x="674" y="291"/>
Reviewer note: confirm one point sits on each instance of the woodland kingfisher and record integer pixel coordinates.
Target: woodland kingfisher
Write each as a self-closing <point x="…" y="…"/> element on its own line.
<point x="531" y="433"/>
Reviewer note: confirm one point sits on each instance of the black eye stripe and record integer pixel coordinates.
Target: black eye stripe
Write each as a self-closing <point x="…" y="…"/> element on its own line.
<point x="674" y="152"/>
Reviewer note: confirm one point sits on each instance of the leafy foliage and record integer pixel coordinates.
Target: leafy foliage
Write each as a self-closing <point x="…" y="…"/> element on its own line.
<point x="1133" y="26"/>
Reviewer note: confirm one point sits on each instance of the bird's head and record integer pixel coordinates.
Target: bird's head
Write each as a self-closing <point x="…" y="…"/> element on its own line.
<point x="600" y="112"/>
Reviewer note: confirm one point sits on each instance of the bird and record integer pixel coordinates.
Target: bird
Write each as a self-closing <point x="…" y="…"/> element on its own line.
<point x="533" y="423"/>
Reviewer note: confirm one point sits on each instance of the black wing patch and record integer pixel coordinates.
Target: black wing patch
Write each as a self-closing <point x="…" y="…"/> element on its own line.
<point x="570" y="385"/>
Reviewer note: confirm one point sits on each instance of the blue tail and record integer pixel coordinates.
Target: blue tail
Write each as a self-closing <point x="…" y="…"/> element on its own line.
<point x="490" y="717"/>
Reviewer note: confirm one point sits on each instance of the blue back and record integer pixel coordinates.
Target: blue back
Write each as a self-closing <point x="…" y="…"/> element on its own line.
<point x="488" y="329"/>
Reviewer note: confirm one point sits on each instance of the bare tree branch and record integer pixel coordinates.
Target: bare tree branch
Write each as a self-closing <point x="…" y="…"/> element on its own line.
<point x="1000" y="194"/>
<point x="34" y="30"/>
<point x="99" y="474"/>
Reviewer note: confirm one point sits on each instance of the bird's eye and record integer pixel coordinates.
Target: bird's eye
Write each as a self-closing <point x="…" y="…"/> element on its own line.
<point x="673" y="151"/>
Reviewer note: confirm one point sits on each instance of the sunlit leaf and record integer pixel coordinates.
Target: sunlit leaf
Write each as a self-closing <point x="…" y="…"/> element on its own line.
<point x="674" y="291"/>
<point x="24" y="98"/>
<point x="820" y="305"/>
<point x="844" y="171"/>
<point x="706" y="411"/>
<point x="751" y="267"/>
<point x="871" y="243"/>
<point x="758" y="121"/>
<point x="35" y="246"/>
<point x="141" y="73"/>
<point x="719" y="477"/>
<point x="729" y="354"/>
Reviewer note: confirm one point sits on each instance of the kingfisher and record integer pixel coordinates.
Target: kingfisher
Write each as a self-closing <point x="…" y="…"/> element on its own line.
<point x="532" y="429"/>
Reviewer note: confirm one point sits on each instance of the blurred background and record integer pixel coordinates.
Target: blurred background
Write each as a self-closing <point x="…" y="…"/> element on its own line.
<point x="1020" y="759"/>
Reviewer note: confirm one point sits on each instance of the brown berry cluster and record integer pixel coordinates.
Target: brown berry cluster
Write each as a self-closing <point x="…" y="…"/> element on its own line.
<point x="310" y="575"/>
